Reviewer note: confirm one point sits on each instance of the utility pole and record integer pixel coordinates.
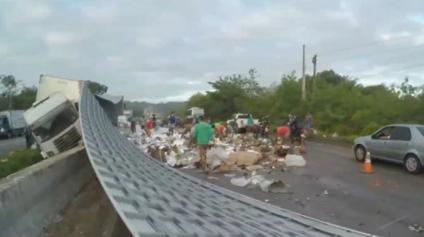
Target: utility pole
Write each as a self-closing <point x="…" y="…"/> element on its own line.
<point x="10" y="100"/>
<point x="314" y="61"/>
<point x="303" y="76"/>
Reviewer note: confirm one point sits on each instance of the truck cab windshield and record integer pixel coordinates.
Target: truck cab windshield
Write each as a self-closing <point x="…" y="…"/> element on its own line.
<point x="243" y="116"/>
<point x="55" y="125"/>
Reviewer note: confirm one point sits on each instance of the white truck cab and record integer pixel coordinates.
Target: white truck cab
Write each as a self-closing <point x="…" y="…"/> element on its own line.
<point x="194" y="112"/>
<point x="54" y="123"/>
<point x="241" y="120"/>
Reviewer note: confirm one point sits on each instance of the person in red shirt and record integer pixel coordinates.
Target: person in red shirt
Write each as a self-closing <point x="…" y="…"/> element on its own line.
<point x="219" y="130"/>
<point x="282" y="133"/>
<point x="150" y="124"/>
<point x="148" y="127"/>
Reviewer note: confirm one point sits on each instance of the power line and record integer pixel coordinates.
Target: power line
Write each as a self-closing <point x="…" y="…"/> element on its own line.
<point x="371" y="54"/>
<point x="414" y="66"/>
<point x="371" y="43"/>
<point x="364" y="45"/>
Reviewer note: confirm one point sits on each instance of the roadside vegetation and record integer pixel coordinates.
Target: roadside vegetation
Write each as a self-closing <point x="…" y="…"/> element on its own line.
<point x="339" y="104"/>
<point x="17" y="160"/>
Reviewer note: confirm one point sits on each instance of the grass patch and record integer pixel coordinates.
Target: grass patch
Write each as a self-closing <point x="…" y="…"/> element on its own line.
<point x="18" y="160"/>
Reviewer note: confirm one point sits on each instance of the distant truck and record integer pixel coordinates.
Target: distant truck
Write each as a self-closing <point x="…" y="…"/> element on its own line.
<point x="241" y="121"/>
<point x="194" y="112"/>
<point x="53" y="119"/>
<point x="12" y="123"/>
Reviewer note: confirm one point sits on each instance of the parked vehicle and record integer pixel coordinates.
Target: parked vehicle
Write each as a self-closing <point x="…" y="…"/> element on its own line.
<point x="12" y="123"/>
<point x="398" y="143"/>
<point x="241" y="121"/>
<point x="194" y="112"/>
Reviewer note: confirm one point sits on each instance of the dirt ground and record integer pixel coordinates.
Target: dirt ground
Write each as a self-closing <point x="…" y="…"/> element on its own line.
<point x="89" y="214"/>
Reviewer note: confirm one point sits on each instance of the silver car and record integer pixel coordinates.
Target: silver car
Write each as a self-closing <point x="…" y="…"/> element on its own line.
<point x="398" y="143"/>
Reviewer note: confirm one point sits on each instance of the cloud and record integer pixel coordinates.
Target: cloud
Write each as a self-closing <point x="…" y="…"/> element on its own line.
<point x="167" y="50"/>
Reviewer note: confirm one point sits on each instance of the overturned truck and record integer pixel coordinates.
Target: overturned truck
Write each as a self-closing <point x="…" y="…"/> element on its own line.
<point x="53" y="119"/>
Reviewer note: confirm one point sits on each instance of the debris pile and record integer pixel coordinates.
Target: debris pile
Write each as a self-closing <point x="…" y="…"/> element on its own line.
<point x="240" y="152"/>
<point x="244" y="159"/>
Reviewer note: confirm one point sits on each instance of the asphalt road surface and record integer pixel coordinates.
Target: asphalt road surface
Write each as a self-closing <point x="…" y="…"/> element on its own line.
<point x="329" y="188"/>
<point x="9" y="145"/>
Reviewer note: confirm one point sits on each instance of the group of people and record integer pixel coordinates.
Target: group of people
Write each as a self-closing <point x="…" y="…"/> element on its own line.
<point x="146" y="125"/>
<point x="202" y="131"/>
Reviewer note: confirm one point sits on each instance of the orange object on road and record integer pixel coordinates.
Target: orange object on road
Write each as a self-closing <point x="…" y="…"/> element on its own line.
<point x="367" y="169"/>
<point x="282" y="131"/>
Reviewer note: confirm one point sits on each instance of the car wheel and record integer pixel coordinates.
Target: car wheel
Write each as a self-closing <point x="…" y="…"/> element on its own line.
<point x="413" y="164"/>
<point x="360" y="153"/>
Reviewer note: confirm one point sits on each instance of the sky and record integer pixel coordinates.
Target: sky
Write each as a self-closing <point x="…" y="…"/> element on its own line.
<point x="162" y="50"/>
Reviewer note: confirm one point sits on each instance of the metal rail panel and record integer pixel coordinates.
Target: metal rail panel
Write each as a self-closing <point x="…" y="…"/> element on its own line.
<point x="155" y="200"/>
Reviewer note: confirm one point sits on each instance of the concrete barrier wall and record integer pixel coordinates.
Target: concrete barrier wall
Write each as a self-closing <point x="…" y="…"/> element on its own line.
<point x="32" y="198"/>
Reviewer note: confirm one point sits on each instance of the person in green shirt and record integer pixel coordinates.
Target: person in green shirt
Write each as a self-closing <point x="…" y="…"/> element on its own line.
<point x="203" y="135"/>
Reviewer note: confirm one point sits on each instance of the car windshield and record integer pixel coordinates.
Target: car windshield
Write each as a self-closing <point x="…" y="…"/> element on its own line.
<point x="56" y="125"/>
<point x="243" y="116"/>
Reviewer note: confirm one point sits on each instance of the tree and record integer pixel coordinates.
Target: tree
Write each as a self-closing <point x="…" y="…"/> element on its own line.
<point x="97" y="88"/>
<point x="25" y="98"/>
<point x="10" y="87"/>
<point x="22" y="99"/>
<point x="340" y="104"/>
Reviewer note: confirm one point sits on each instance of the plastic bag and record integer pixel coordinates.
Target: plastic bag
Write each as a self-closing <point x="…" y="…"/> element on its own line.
<point x="216" y="157"/>
<point x="295" y="160"/>
<point x="240" y="181"/>
<point x="217" y="153"/>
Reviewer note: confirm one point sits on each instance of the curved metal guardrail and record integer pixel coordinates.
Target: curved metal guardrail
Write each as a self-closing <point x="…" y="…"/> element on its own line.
<point x="155" y="200"/>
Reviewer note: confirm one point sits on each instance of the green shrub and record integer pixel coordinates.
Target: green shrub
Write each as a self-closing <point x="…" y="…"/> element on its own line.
<point x="18" y="160"/>
<point x="371" y="128"/>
